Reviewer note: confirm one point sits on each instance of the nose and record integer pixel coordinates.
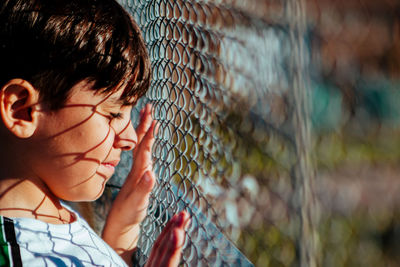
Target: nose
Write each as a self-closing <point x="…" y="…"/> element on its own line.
<point x="126" y="139"/>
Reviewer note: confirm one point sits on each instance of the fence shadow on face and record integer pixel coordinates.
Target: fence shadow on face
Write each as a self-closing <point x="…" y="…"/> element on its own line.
<point x="74" y="158"/>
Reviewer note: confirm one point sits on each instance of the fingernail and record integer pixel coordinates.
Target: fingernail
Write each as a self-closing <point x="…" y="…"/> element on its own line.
<point x="146" y="177"/>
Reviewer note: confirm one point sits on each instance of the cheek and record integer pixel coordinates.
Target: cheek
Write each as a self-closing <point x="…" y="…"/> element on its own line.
<point x="91" y="137"/>
<point x="78" y="152"/>
<point x="98" y="140"/>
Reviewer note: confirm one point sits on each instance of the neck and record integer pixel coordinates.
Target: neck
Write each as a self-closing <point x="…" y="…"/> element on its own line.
<point x="24" y="197"/>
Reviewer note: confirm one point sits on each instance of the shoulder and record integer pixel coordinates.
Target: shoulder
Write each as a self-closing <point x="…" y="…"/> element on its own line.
<point x="38" y="243"/>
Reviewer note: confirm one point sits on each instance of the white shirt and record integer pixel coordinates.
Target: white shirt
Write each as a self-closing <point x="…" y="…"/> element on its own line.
<point x="43" y="244"/>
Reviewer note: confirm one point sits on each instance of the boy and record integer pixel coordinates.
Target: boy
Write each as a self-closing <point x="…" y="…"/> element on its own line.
<point x="71" y="70"/>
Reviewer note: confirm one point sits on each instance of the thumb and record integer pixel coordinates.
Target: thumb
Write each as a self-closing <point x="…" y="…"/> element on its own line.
<point x="142" y="189"/>
<point x="138" y="199"/>
<point x="145" y="184"/>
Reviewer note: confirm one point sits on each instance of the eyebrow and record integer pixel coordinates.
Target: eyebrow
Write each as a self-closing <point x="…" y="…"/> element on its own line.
<point x="116" y="100"/>
<point x="121" y="102"/>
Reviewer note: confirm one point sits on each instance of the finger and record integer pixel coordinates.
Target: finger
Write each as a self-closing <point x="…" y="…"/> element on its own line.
<point x="142" y="190"/>
<point x="141" y="114"/>
<point x="148" y="136"/>
<point x="145" y="122"/>
<point x="155" y="252"/>
<point x="168" y="235"/>
<point x="172" y="223"/>
<point x="142" y="161"/>
<point x="172" y="255"/>
<point x="135" y="201"/>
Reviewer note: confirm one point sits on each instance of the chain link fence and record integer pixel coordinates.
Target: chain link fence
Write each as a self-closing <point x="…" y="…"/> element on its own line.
<point x="278" y="130"/>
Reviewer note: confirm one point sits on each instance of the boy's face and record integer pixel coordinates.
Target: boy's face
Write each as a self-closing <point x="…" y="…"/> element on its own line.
<point x="79" y="145"/>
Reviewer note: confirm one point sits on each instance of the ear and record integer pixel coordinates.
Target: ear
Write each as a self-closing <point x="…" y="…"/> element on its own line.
<point x="19" y="107"/>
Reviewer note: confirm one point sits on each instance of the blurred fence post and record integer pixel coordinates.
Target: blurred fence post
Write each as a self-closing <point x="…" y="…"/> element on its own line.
<point x="303" y="174"/>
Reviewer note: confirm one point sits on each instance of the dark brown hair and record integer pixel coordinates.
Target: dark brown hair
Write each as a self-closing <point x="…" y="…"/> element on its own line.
<point x="54" y="44"/>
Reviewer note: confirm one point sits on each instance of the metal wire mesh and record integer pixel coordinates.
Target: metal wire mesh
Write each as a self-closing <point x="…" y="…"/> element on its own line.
<point x="278" y="130"/>
<point x="222" y="151"/>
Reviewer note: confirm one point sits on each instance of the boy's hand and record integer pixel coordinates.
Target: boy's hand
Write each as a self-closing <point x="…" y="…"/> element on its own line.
<point x="121" y="230"/>
<point x="168" y="247"/>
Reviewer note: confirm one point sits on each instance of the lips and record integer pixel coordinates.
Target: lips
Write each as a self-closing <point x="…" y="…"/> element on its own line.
<point x="111" y="164"/>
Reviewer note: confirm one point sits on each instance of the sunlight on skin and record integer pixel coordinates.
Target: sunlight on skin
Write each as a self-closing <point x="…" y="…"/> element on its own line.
<point x="122" y="226"/>
<point x="78" y="157"/>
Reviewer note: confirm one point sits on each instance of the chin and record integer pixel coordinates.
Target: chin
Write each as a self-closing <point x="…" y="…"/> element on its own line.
<point x="87" y="196"/>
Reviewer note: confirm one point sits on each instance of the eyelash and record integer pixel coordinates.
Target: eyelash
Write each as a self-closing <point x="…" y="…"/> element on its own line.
<point x="116" y="115"/>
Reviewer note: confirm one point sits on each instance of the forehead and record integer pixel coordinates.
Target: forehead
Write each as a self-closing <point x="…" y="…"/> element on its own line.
<point x="84" y="93"/>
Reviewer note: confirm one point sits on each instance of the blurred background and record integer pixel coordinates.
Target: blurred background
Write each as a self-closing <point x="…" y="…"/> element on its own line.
<point x="355" y="71"/>
<point x="279" y="130"/>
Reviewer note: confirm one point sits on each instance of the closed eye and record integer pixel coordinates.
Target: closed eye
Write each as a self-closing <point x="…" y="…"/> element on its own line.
<point x="117" y="115"/>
